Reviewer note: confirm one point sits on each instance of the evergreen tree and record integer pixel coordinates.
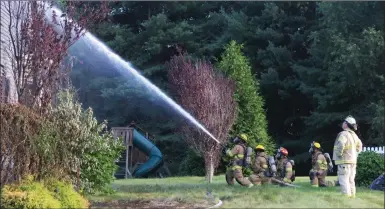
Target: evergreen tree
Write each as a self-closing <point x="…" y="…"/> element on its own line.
<point x="344" y="74"/>
<point x="251" y="115"/>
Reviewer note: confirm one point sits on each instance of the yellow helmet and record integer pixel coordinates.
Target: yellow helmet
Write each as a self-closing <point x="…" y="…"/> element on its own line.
<point x="317" y="145"/>
<point x="260" y="147"/>
<point x="243" y="137"/>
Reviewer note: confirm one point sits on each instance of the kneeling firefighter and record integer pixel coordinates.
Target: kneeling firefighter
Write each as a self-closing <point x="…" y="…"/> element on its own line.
<point x="240" y="157"/>
<point x="321" y="164"/>
<point x="263" y="167"/>
<point x="285" y="167"/>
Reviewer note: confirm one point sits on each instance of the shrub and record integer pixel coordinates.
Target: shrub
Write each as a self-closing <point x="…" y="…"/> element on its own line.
<point x="49" y="193"/>
<point x="28" y="194"/>
<point x="18" y="126"/>
<point x="66" y="194"/>
<point x="192" y="165"/>
<point x="369" y="166"/>
<point x="73" y="143"/>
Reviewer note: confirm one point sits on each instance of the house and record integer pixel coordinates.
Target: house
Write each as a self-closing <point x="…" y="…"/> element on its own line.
<point x="7" y="83"/>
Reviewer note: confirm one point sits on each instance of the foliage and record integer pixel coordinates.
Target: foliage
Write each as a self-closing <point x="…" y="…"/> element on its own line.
<point x="19" y="125"/>
<point x="174" y="151"/>
<point x="369" y="166"/>
<point x="37" y="61"/>
<point x="192" y="165"/>
<point x="28" y="194"/>
<point x="99" y="161"/>
<point x="312" y="60"/>
<point x="251" y="115"/>
<point x="208" y="96"/>
<point x="65" y="193"/>
<point x="49" y="193"/>
<point x="336" y="75"/>
<point x="378" y="126"/>
<point x="73" y="143"/>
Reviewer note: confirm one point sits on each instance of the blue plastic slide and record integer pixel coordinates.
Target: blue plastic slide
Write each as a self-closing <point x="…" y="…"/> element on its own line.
<point x="155" y="160"/>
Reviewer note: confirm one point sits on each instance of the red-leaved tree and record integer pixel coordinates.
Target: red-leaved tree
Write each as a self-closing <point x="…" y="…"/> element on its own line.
<point x="208" y="96"/>
<point x="37" y="42"/>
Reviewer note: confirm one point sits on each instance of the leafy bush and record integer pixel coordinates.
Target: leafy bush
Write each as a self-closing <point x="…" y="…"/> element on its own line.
<point x="98" y="162"/>
<point x="73" y="143"/>
<point x="66" y="194"/>
<point x="369" y="166"/>
<point x="192" y="165"/>
<point x="28" y="194"/>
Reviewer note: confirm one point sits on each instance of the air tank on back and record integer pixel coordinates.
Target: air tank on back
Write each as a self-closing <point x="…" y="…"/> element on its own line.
<point x="273" y="167"/>
<point x="249" y="152"/>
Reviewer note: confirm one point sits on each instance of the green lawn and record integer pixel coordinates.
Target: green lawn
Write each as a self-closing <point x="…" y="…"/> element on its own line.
<point x="191" y="191"/>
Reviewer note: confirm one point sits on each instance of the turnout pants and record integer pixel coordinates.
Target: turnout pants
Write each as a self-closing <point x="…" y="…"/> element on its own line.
<point x="346" y="175"/>
<point x="238" y="176"/>
<point x="318" y="180"/>
<point x="258" y="179"/>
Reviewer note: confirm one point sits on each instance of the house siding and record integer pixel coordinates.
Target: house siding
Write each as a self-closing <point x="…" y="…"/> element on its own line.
<point x="7" y="28"/>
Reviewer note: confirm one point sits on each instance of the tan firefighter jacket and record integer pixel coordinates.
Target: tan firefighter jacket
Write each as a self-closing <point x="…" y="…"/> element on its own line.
<point x="260" y="164"/>
<point x="319" y="162"/>
<point x="284" y="169"/>
<point x="236" y="154"/>
<point x="346" y="148"/>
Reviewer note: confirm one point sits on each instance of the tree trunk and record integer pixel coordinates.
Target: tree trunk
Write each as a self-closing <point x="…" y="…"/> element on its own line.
<point x="209" y="165"/>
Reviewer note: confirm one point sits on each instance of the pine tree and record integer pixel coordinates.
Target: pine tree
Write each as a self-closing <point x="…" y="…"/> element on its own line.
<point x="251" y="115"/>
<point x="344" y="74"/>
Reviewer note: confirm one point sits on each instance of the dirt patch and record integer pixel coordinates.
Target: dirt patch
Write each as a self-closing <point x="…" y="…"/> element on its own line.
<point x="144" y="204"/>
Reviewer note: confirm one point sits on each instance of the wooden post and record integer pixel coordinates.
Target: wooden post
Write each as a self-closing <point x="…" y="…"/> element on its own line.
<point x="127" y="153"/>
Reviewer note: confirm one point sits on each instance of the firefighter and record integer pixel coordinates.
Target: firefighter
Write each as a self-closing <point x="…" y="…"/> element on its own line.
<point x="262" y="169"/>
<point x="319" y="166"/>
<point x="237" y="162"/>
<point x="285" y="171"/>
<point x="345" y="153"/>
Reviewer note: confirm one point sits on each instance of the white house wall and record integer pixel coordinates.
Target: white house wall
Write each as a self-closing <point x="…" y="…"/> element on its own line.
<point x="6" y="48"/>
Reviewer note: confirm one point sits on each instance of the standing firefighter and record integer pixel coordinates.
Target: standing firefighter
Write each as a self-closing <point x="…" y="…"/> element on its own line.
<point x="345" y="153"/>
<point x="285" y="172"/>
<point x="321" y="164"/>
<point x="263" y="167"/>
<point x="238" y="157"/>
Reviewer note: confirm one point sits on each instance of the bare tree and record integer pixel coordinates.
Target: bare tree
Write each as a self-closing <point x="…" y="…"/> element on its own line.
<point x="37" y="40"/>
<point x="208" y="96"/>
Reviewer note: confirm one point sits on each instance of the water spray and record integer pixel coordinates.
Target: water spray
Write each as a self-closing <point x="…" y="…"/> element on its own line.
<point x="126" y="65"/>
<point x="89" y="37"/>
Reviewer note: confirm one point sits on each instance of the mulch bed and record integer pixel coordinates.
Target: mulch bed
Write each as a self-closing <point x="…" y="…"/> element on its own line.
<point x="142" y="204"/>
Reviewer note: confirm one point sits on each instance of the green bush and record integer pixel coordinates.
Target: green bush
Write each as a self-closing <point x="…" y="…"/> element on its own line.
<point x="28" y="194"/>
<point x="66" y="194"/>
<point x="73" y="143"/>
<point x="369" y="166"/>
<point x="49" y="193"/>
<point x="192" y="165"/>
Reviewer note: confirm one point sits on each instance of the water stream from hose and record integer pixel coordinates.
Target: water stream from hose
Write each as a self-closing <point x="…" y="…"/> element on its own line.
<point x="127" y="69"/>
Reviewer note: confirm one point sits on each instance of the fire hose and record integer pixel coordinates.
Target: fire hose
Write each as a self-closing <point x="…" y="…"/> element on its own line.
<point x="284" y="183"/>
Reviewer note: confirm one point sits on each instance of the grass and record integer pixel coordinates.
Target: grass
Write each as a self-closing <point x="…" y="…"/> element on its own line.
<point x="191" y="191"/>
